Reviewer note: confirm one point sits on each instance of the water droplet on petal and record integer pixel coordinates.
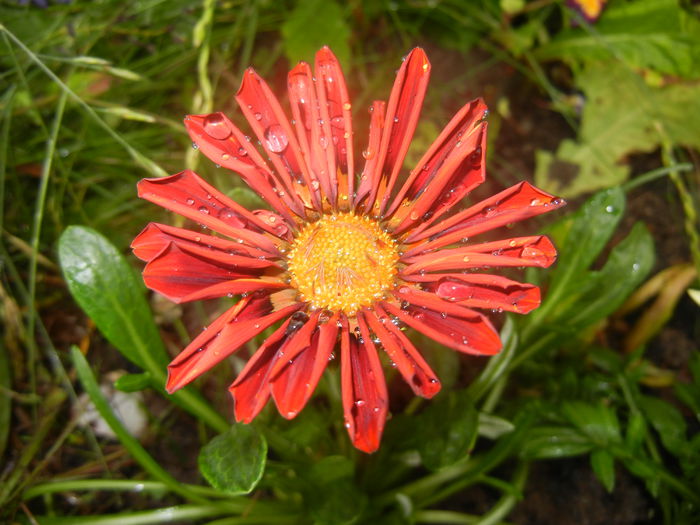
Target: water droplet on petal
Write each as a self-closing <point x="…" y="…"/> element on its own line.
<point x="216" y="127"/>
<point x="190" y="201"/>
<point x="367" y="154"/>
<point x="257" y="116"/>
<point x="276" y="139"/>
<point x="204" y="210"/>
<point x="347" y="106"/>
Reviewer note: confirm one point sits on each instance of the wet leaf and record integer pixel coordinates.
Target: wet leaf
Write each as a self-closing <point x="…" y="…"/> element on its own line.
<point x="551" y="442"/>
<point x="447" y="430"/>
<point x="234" y="461"/>
<point x="106" y="287"/>
<point x="604" y="291"/>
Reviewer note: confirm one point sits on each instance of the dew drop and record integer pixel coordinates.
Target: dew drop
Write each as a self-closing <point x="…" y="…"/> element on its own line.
<point x="258" y="116"/>
<point x="276" y="139"/>
<point x="195" y="145"/>
<point x="367" y="154"/>
<point x="204" y="210"/>
<point x="190" y="201"/>
<point x="610" y="209"/>
<point x="215" y="126"/>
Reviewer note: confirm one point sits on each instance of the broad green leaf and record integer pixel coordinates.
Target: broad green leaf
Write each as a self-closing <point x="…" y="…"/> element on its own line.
<point x="330" y="488"/>
<point x="105" y="286"/>
<point x="551" y="442"/>
<point x="668" y="422"/>
<point x="622" y="115"/>
<point x="588" y="231"/>
<point x="234" y="461"/>
<point x="109" y="291"/>
<point x="313" y="24"/>
<point x="597" y="421"/>
<point x="655" y="34"/>
<point x="133" y="382"/>
<point x="447" y="430"/>
<point x="603" y="465"/>
<point x="604" y="291"/>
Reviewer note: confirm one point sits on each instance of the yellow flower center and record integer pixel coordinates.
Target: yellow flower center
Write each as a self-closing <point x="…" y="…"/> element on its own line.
<point x="343" y="262"/>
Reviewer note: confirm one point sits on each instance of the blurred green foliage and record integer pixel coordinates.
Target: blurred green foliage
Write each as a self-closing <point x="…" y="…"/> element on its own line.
<point x="92" y="95"/>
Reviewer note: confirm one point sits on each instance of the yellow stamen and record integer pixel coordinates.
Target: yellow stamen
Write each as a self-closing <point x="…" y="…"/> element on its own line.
<point x="343" y="262"/>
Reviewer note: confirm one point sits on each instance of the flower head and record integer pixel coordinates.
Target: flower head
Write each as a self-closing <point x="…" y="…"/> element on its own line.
<point x="344" y="261"/>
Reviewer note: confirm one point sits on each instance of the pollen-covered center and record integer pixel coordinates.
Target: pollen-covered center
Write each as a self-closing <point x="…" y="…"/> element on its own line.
<point x="343" y="262"/>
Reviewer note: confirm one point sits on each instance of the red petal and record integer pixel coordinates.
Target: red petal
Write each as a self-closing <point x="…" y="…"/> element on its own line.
<point x="224" y="144"/>
<point x="452" y="167"/>
<point x="365" y="399"/>
<point x="188" y="195"/>
<point x="154" y="237"/>
<point x="301" y="371"/>
<point x="463" y="329"/>
<point x="511" y="205"/>
<point x="520" y="251"/>
<point x="415" y="371"/>
<point x="335" y="110"/>
<point x="251" y="389"/>
<point x="372" y="173"/>
<point x="481" y="290"/>
<point x="314" y="138"/>
<point x="402" y="114"/>
<point x="188" y="274"/>
<point x="270" y="124"/>
<point x="224" y="336"/>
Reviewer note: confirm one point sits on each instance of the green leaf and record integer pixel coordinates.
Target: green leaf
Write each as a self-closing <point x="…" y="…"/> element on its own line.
<point x="105" y="286"/>
<point x="654" y="34"/>
<point x="603" y="465"/>
<point x="668" y="422"/>
<point x="331" y="487"/>
<point x="622" y="115"/>
<point x="133" y="382"/>
<point x="493" y="427"/>
<point x="636" y="431"/>
<point x="234" y="461"/>
<point x="604" y="291"/>
<point x="552" y="442"/>
<point x="586" y="233"/>
<point x="447" y="430"/>
<point x="597" y="421"/>
<point x="313" y="24"/>
<point x="109" y="291"/>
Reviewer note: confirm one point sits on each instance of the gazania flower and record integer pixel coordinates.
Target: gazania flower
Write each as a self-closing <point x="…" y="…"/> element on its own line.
<point x="345" y="258"/>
